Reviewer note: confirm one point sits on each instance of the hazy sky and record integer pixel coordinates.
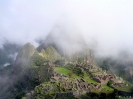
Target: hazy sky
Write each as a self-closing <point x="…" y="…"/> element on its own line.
<point x="107" y="22"/>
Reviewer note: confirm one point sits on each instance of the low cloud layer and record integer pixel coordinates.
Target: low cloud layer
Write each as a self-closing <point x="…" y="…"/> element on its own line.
<point x="2" y="41"/>
<point x="6" y="64"/>
<point x="13" y="56"/>
<point x="105" y="25"/>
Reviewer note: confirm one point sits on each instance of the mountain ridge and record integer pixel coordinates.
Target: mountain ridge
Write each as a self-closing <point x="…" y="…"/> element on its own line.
<point x="48" y="74"/>
<point x="79" y="65"/>
<point x="61" y="70"/>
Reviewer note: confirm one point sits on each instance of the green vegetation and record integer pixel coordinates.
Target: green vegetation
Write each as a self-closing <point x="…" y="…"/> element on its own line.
<point x="87" y="78"/>
<point x="37" y="60"/>
<point x="108" y="88"/>
<point x="26" y="81"/>
<point x="66" y="72"/>
<point x="109" y="83"/>
<point x="125" y="89"/>
<point x="50" y="54"/>
<point x="74" y="69"/>
<point x="90" y="80"/>
<point x="62" y="70"/>
<point x="36" y="76"/>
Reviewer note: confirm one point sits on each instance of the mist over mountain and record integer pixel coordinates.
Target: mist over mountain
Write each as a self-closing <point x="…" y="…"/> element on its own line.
<point x="66" y="38"/>
<point x="106" y="25"/>
<point x="87" y="44"/>
<point x="8" y="53"/>
<point x="23" y="58"/>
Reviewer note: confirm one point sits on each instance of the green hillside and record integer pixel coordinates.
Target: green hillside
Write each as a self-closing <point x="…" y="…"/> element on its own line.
<point x="49" y="75"/>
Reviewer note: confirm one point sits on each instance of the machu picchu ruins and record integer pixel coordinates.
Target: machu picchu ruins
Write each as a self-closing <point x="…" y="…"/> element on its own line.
<point x="73" y="76"/>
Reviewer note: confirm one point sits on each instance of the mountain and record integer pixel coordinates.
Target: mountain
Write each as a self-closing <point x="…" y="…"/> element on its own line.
<point x="65" y="40"/>
<point x="50" y="53"/>
<point x="77" y="79"/>
<point x="48" y="74"/>
<point x="23" y="57"/>
<point x="63" y="67"/>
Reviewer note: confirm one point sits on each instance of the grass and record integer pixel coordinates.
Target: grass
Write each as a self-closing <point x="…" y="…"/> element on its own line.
<point x="65" y="72"/>
<point x="125" y="89"/>
<point x="108" y="88"/>
<point x="90" y="80"/>
<point x="86" y="77"/>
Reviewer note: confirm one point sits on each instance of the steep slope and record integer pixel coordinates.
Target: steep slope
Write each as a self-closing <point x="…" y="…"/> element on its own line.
<point x="48" y="75"/>
<point x="71" y="81"/>
<point x="50" y="54"/>
<point x="23" y="57"/>
<point x="62" y="68"/>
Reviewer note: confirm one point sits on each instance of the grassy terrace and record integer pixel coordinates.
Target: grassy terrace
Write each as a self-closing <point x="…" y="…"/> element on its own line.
<point x="108" y="88"/>
<point x="125" y="89"/>
<point x="86" y="77"/>
<point x="66" y="71"/>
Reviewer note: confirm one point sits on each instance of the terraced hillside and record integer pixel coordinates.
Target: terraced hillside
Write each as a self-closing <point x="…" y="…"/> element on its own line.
<point x="50" y="75"/>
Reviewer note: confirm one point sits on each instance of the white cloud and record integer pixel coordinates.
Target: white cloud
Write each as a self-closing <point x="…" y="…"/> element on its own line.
<point x="13" y="56"/>
<point x="23" y="21"/>
<point x="109" y="22"/>
<point x="6" y="64"/>
<point x="2" y="41"/>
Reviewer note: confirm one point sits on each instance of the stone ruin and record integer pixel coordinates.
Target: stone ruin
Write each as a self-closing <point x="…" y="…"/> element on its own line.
<point x="56" y="76"/>
<point x="79" y="86"/>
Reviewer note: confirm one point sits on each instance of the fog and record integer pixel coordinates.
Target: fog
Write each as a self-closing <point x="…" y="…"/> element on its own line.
<point x="13" y="56"/>
<point x="6" y="64"/>
<point x="105" y="25"/>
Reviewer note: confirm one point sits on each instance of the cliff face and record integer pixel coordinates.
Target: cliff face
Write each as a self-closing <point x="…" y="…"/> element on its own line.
<point x="23" y="57"/>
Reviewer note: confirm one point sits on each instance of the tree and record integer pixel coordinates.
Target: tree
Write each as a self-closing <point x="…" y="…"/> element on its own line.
<point x="109" y="83"/>
<point x="70" y="74"/>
